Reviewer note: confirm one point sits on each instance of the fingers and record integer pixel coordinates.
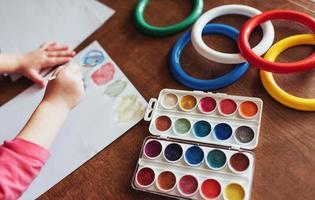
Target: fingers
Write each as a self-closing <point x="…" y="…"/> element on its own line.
<point x="57" y="47"/>
<point x="73" y="68"/>
<point x="55" y="54"/>
<point x="60" y="53"/>
<point x="54" y="61"/>
<point x="54" y="49"/>
<point x="35" y="77"/>
<point x="58" y="70"/>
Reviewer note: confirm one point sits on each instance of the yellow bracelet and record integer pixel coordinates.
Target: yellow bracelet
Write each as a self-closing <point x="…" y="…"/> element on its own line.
<point x="270" y="84"/>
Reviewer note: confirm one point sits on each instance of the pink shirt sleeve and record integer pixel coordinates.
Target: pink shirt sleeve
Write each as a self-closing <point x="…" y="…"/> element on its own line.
<point x="20" y="162"/>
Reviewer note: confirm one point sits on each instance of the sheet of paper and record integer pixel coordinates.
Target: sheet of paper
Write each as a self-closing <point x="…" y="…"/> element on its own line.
<point x="99" y="8"/>
<point x="27" y="24"/>
<point x="110" y="107"/>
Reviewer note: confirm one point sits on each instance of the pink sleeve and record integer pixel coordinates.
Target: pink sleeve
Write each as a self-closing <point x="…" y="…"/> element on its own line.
<point x="20" y="162"/>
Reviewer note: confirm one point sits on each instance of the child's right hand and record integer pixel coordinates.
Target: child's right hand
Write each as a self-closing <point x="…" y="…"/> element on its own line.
<point x="67" y="88"/>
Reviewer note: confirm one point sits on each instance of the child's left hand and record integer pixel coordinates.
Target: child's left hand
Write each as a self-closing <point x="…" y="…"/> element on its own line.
<point x="48" y="55"/>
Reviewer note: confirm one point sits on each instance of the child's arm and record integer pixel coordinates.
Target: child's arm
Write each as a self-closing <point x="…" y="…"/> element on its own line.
<point x="22" y="158"/>
<point x="48" y="55"/>
<point x="62" y="94"/>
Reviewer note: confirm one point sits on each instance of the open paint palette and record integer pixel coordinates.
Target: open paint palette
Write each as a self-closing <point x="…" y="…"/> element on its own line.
<point x="201" y="148"/>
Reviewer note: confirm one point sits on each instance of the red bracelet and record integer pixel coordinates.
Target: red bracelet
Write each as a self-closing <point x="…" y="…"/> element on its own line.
<point x="248" y="54"/>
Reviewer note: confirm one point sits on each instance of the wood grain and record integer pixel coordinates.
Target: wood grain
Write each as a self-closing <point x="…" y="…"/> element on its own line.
<point x="285" y="160"/>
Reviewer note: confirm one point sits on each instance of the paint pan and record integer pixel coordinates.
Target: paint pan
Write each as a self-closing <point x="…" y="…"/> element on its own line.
<point x="227" y="107"/>
<point x="153" y="149"/>
<point x="163" y="123"/>
<point x="188" y="185"/>
<point x="248" y="109"/>
<point x="194" y="156"/>
<point x="207" y="105"/>
<point x="239" y="163"/>
<point x="188" y="103"/>
<point x="173" y="152"/>
<point x="244" y="134"/>
<point x="234" y="191"/>
<point x="216" y="159"/>
<point x="210" y="189"/>
<point x="169" y="101"/>
<point x="181" y="126"/>
<point x="145" y="177"/>
<point x="222" y="131"/>
<point x="201" y="129"/>
<point x="166" y="181"/>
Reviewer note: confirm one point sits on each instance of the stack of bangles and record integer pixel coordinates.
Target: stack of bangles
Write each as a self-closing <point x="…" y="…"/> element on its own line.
<point x="247" y="55"/>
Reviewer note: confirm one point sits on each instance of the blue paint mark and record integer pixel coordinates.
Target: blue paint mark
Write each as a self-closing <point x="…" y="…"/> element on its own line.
<point x="93" y="58"/>
<point x="222" y="131"/>
<point x="194" y="155"/>
<point x="216" y="158"/>
<point x="201" y="128"/>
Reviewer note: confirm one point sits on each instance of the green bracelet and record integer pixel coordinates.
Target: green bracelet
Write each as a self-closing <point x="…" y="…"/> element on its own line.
<point x="167" y="30"/>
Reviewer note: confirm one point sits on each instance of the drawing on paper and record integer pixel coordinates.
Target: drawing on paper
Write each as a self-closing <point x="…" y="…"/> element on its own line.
<point x="129" y="109"/>
<point x="116" y="88"/>
<point x="104" y="74"/>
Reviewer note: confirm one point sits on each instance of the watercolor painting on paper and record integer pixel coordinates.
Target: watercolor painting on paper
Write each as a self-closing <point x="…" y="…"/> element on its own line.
<point x="111" y="105"/>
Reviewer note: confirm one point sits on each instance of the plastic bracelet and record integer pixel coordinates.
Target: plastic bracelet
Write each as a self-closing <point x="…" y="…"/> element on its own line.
<point x="259" y="62"/>
<point x="270" y="84"/>
<point x="228" y="58"/>
<point x="199" y="84"/>
<point x="167" y="30"/>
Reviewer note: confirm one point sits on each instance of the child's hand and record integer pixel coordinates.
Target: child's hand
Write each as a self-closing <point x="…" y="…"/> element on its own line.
<point x="47" y="55"/>
<point x="67" y="88"/>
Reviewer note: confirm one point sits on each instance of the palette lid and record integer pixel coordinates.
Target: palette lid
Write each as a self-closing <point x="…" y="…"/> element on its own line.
<point x="206" y="117"/>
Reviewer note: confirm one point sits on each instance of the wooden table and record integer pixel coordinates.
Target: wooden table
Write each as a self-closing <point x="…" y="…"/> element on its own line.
<point x="285" y="161"/>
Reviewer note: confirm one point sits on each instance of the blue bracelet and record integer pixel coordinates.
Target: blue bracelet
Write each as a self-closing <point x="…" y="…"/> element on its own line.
<point x="199" y="84"/>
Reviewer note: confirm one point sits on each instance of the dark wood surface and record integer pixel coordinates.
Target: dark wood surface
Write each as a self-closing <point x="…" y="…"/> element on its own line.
<point x="285" y="161"/>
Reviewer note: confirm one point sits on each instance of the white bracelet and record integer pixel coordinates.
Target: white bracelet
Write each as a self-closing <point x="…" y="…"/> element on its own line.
<point x="229" y="58"/>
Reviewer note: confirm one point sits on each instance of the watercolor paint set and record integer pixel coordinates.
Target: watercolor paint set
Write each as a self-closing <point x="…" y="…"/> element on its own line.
<point x="189" y="171"/>
<point x="201" y="145"/>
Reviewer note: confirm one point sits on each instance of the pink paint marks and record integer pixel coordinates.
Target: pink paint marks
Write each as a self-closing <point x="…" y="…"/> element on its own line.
<point x="104" y="74"/>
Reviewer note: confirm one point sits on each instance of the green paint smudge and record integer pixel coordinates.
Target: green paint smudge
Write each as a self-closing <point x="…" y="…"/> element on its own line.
<point x="116" y="88"/>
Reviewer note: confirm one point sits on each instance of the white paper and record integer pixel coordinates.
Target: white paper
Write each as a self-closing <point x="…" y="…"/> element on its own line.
<point x="27" y="24"/>
<point x="100" y="10"/>
<point x="90" y="127"/>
